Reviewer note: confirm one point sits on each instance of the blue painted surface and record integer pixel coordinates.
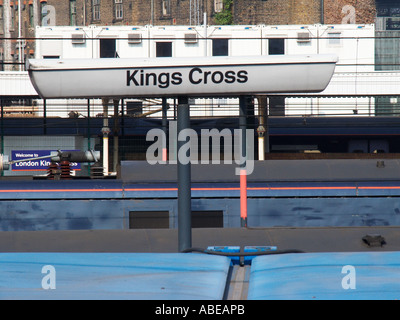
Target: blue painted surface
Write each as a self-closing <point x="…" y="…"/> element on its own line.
<point x="249" y="259"/>
<point x="117" y="189"/>
<point x="310" y="276"/>
<point x="236" y="249"/>
<point x="106" y="204"/>
<point x="38" y="215"/>
<point x="135" y="276"/>
<point x="60" y="189"/>
<point x="227" y="249"/>
<point x="100" y="214"/>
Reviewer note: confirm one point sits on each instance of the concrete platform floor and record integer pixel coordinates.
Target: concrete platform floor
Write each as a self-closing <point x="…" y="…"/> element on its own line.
<point x="329" y="239"/>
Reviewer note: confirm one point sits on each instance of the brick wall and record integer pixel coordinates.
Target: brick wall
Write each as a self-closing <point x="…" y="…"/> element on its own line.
<point x="179" y="13"/>
<point x="108" y="13"/>
<point x="338" y="11"/>
<point x="273" y="12"/>
<point x="84" y="12"/>
<point x="305" y="12"/>
<point x="62" y="9"/>
<point x="270" y="12"/>
<point x="138" y="12"/>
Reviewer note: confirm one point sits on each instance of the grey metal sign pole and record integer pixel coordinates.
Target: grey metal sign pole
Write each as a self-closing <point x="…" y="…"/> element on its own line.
<point x="184" y="181"/>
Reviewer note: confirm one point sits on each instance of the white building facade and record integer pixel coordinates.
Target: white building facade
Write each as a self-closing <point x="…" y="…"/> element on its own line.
<point x="351" y="90"/>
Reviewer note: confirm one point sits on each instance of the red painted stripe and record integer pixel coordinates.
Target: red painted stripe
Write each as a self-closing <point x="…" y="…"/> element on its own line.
<point x="313" y="188"/>
<point x="243" y="194"/>
<point x="216" y="189"/>
<point x="39" y="169"/>
<point x="151" y="189"/>
<point x="203" y="189"/>
<point x="63" y="190"/>
<point x="380" y="188"/>
<point x="176" y="189"/>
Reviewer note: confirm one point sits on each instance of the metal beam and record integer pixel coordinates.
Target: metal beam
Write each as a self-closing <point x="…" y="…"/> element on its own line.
<point x="165" y="129"/>
<point x="184" y="181"/>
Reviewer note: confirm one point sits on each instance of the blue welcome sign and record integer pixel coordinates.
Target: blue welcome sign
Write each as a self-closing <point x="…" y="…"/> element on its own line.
<point x="35" y="165"/>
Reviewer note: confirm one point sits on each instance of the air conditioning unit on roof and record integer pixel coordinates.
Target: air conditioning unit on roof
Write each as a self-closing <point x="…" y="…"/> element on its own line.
<point x="134" y="38"/>
<point x="190" y="38"/>
<point x="303" y="37"/>
<point x="78" y="38"/>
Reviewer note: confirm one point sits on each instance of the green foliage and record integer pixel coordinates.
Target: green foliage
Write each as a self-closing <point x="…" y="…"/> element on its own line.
<point x="225" y="17"/>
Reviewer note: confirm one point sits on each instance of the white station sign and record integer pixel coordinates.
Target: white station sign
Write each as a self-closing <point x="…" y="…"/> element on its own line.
<point x="171" y="77"/>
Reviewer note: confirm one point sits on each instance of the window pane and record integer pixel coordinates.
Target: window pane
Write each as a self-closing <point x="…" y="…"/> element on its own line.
<point x="220" y="47"/>
<point x="96" y="10"/>
<point x="218" y="5"/>
<point x="119" y="11"/>
<point x="276" y="46"/>
<point x="166" y="7"/>
<point x="72" y="12"/>
<point x="334" y="38"/>
<point x="164" y="49"/>
<point x="107" y="48"/>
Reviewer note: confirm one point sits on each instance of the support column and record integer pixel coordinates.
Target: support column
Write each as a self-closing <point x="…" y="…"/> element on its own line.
<point x="262" y="130"/>
<point x="105" y="131"/>
<point x="44" y="116"/>
<point x="89" y="146"/>
<point x="165" y="128"/>
<point x="184" y="181"/>
<point x="88" y="122"/>
<point x="116" y="133"/>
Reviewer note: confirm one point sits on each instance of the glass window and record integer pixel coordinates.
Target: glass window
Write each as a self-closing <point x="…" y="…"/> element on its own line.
<point x="1" y="19"/>
<point x="276" y="46"/>
<point x="31" y="21"/>
<point x="12" y="16"/>
<point x="43" y="13"/>
<point x="220" y="47"/>
<point x="218" y="5"/>
<point x="119" y="10"/>
<point x="72" y="12"/>
<point x="334" y="38"/>
<point x="166" y="7"/>
<point x="163" y="49"/>
<point x="96" y="10"/>
<point x="108" y="48"/>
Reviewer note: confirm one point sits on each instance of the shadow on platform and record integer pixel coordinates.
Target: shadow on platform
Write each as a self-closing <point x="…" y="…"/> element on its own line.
<point x="313" y="239"/>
